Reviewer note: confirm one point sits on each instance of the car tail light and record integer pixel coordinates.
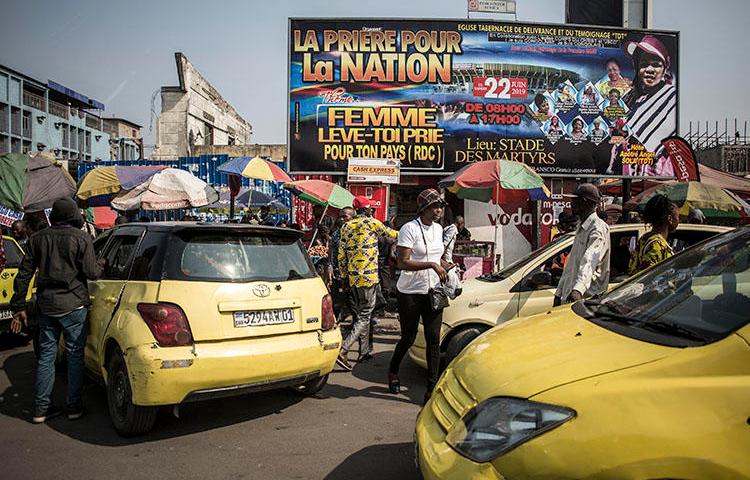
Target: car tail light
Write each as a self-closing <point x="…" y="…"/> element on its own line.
<point x="167" y="323"/>
<point x="329" y="319"/>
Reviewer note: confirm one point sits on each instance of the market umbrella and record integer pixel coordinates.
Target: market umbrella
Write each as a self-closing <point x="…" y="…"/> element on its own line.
<point x="254" y="167"/>
<point x="500" y="181"/>
<point x="321" y="192"/>
<point x="32" y="184"/>
<point x="114" y="179"/>
<point x="496" y="180"/>
<point x="711" y="200"/>
<point x="248" y="198"/>
<point x="101" y="217"/>
<point x="169" y="189"/>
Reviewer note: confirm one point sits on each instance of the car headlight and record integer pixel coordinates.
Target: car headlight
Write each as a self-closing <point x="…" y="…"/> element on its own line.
<point x="500" y="424"/>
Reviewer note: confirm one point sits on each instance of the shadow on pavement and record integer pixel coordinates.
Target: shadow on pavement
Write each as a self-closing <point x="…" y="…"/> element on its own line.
<point x="395" y="460"/>
<point x="95" y="427"/>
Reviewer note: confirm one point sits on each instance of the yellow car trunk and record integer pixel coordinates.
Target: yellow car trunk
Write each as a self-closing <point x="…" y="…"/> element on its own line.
<point x="221" y="311"/>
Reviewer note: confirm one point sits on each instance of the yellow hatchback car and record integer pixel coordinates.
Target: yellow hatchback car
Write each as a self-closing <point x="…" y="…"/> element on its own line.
<point x="13" y="256"/>
<point x="187" y="312"/>
<point x="650" y="381"/>
<point x="527" y="286"/>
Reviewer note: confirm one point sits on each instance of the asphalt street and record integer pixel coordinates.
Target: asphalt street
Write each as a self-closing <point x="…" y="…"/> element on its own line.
<point x="353" y="428"/>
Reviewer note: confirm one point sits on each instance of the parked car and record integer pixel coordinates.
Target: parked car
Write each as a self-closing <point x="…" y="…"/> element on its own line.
<point x="13" y="256"/>
<point x="528" y="286"/>
<point x="187" y="312"/>
<point x="650" y="381"/>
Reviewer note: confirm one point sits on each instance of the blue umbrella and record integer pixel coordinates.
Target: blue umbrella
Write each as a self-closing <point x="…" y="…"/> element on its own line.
<point x="258" y="199"/>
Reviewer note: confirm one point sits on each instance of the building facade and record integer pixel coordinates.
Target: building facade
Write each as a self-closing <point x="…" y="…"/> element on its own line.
<point x="125" y="139"/>
<point x="37" y="116"/>
<point x="194" y="113"/>
<point x="734" y="159"/>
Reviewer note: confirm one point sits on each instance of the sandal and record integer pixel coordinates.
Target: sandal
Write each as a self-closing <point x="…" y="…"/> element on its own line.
<point x="394" y="385"/>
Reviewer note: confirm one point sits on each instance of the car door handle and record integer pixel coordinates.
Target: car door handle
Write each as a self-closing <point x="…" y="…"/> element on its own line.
<point x="110" y="300"/>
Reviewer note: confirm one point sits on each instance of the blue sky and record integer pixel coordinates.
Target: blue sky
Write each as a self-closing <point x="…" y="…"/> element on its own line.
<point x="120" y="53"/>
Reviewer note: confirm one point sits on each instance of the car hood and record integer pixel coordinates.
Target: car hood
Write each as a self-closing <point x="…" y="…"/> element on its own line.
<point x="527" y="356"/>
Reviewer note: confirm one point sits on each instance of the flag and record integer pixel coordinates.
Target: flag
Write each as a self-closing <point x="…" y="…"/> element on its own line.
<point x="683" y="159"/>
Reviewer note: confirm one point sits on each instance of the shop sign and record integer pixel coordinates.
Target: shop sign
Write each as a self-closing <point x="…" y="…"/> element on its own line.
<point x="373" y="170"/>
<point x="492" y="6"/>
<point x="436" y="95"/>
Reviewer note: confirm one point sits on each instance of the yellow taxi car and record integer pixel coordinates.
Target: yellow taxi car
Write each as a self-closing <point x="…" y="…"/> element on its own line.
<point x="527" y="287"/>
<point x="650" y="381"/>
<point x="13" y="256"/>
<point x="186" y="312"/>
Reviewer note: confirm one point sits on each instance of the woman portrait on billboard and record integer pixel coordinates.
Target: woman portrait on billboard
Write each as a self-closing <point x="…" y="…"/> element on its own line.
<point x="614" y="78"/>
<point x="652" y="103"/>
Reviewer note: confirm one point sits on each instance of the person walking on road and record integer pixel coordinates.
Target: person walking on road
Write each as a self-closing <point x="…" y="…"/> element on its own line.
<point x="664" y="216"/>
<point x="420" y="259"/>
<point x="358" y="267"/>
<point x="586" y="271"/>
<point x="64" y="257"/>
<point x="337" y="289"/>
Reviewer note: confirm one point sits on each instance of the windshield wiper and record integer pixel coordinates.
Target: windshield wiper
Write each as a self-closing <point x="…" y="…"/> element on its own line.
<point x="604" y="312"/>
<point x="675" y="329"/>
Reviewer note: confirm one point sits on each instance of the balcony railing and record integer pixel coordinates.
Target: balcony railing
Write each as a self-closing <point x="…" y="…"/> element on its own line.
<point x="58" y="109"/>
<point x="33" y="100"/>
<point x="92" y="121"/>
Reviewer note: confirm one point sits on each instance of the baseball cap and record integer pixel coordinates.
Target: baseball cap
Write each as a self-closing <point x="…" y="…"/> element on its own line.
<point x="427" y="198"/>
<point x="587" y="191"/>
<point x="360" y="201"/>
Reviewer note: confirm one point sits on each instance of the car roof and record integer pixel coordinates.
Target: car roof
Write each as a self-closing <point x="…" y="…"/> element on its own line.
<point x="682" y="226"/>
<point x="213" y="227"/>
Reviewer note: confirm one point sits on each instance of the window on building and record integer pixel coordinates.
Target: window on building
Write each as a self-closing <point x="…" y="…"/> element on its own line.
<point x="4" y="118"/>
<point x="208" y="134"/>
<point x="15" y="145"/>
<point x="15" y="121"/>
<point x="27" y="124"/>
<point x="65" y="136"/>
<point x="88" y="142"/>
<point x="73" y="138"/>
<point x="81" y="139"/>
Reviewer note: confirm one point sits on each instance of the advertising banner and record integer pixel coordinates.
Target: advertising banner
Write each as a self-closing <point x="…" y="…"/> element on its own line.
<point x="436" y="95"/>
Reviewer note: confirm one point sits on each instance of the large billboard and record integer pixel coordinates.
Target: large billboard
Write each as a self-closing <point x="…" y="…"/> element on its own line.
<point x="437" y="94"/>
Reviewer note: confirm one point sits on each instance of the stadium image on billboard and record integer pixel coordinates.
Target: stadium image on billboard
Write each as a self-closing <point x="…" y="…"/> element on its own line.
<point x="436" y="95"/>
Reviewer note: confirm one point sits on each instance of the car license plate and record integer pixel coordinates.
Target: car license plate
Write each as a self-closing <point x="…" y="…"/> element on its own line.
<point x="6" y="314"/>
<point x="257" y="318"/>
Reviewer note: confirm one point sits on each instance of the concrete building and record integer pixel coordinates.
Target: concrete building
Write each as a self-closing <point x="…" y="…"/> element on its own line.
<point x="37" y="116"/>
<point x="734" y="159"/>
<point x="126" y="141"/>
<point x="275" y="152"/>
<point x="194" y="113"/>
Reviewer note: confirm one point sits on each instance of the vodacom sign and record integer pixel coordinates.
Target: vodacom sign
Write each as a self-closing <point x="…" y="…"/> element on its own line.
<point x="520" y="218"/>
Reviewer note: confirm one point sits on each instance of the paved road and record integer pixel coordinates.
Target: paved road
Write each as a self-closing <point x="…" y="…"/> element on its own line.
<point x="354" y="428"/>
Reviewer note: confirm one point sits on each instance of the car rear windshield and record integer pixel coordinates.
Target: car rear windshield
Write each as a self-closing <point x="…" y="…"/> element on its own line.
<point x="237" y="257"/>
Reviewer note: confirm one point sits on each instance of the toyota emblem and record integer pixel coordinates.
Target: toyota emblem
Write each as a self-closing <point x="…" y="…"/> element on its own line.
<point x="261" y="290"/>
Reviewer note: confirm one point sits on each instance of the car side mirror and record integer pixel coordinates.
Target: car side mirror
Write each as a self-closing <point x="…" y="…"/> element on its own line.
<point x="540" y="278"/>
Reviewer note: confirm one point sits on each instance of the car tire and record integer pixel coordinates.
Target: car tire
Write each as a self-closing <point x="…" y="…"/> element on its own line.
<point x="459" y="342"/>
<point x="311" y="387"/>
<point x="128" y="419"/>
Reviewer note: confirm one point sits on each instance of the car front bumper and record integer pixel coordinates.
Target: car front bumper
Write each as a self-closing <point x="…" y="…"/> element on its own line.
<point x="165" y="376"/>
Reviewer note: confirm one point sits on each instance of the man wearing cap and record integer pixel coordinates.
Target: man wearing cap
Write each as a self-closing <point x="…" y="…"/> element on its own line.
<point x="586" y="271"/>
<point x="64" y="256"/>
<point x="358" y="268"/>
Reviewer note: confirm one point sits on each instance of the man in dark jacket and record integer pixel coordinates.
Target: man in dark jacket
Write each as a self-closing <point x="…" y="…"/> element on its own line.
<point x="65" y="260"/>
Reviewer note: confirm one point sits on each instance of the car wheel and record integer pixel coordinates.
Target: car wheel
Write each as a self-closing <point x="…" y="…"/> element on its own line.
<point x="127" y="418"/>
<point x="459" y="342"/>
<point x="311" y="387"/>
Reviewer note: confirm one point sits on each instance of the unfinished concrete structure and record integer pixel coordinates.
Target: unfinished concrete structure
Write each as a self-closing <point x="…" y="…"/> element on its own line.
<point x="194" y="113"/>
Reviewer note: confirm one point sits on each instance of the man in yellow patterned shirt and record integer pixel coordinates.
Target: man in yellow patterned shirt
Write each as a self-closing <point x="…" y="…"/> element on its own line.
<point x="358" y="267"/>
